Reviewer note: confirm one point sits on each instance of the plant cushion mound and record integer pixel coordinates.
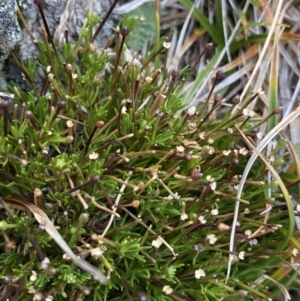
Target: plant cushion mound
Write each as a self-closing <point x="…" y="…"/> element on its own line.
<point x="113" y="189"/>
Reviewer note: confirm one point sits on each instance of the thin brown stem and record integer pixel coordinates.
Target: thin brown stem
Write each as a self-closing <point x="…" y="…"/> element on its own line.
<point x="104" y="21"/>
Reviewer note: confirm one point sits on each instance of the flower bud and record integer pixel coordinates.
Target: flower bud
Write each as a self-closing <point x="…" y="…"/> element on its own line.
<point x="83" y="218"/>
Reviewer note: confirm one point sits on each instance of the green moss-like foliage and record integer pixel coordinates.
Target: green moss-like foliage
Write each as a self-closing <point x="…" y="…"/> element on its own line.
<point x="120" y="136"/>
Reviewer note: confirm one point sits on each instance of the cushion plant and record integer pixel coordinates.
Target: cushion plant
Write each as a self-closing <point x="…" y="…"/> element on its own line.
<point x="114" y="188"/>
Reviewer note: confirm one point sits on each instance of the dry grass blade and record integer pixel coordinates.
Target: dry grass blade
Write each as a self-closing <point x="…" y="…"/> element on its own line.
<point x="225" y="28"/>
<point x="264" y="50"/>
<point x="297" y="168"/>
<point x="122" y="189"/>
<point x="178" y="51"/>
<point x="293" y="265"/>
<point x="48" y="226"/>
<point x="280" y="286"/>
<point x="128" y="7"/>
<point x="287" y="197"/>
<point x="249" y="165"/>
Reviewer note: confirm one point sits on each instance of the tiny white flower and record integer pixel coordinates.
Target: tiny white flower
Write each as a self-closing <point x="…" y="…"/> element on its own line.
<point x="38" y="297"/>
<point x="167" y="289"/>
<point x="230" y="130"/>
<point x="243" y="151"/>
<point x="236" y="187"/>
<point x="214" y="212"/>
<point x="259" y="135"/>
<point x="180" y="148"/>
<point x="198" y="247"/>
<point x="192" y="126"/>
<point x="154" y="175"/>
<point x="66" y="257"/>
<point x="93" y="156"/>
<point x="226" y="153"/>
<point x="248" y="232"/>
<point x="253" y="242"/>
<point x="210" y="141"/>
<point x="213" y="186"/>
<point x="295" y="252"/>
<point x="202" y="219"/>
<point x="49" y="298"/>
<point x="74" y="75"/>
<point x="298" y="208"/>
<point x="97" y="253"/>
<point x="176" y="196"/>
<point x="272" y="158"/>
<point x="50" y="76"/>
<point x="33" y="276"/>
<point x="184" y="216"/>
<point x="123" y="110"/>
<point x="157" y="243"/>
<point x="202" y="135"/>
<point x="260" y="91"/>
<point x="242" y="255"/>
<point x="233" y="258"/>
<point x="45" y="263"/>
<point x="212" y="238"/>
<point x="48" y="69"/>
<point x="31" y="290"/>
<point x="46" y="260"/>
<point x="45" y="150"/>
<point x="70" y="123"/>
<point x="166" y="44"/>
<point x="191" y="111"/>
<point x="186" y="142"/>
<point x="246" y="211"/>
<point x="148" y="79"/>
<point x="199" y="273"/>
<point x="210" y="178"/>
<point x="211" y="150"/>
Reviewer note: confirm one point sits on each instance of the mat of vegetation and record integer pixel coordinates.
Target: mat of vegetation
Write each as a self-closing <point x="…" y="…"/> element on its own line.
<point x="114" y="186"/>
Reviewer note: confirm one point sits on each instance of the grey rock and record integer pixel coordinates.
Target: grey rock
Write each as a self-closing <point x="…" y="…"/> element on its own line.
<point x="61" y="15"/>
<point x="10" y="32"/>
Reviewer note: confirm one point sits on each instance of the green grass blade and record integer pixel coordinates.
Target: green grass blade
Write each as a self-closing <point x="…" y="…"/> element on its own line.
<point x="210" y="28"/>
<point x="273" y="87"/>
<point x="203" y="74"/>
